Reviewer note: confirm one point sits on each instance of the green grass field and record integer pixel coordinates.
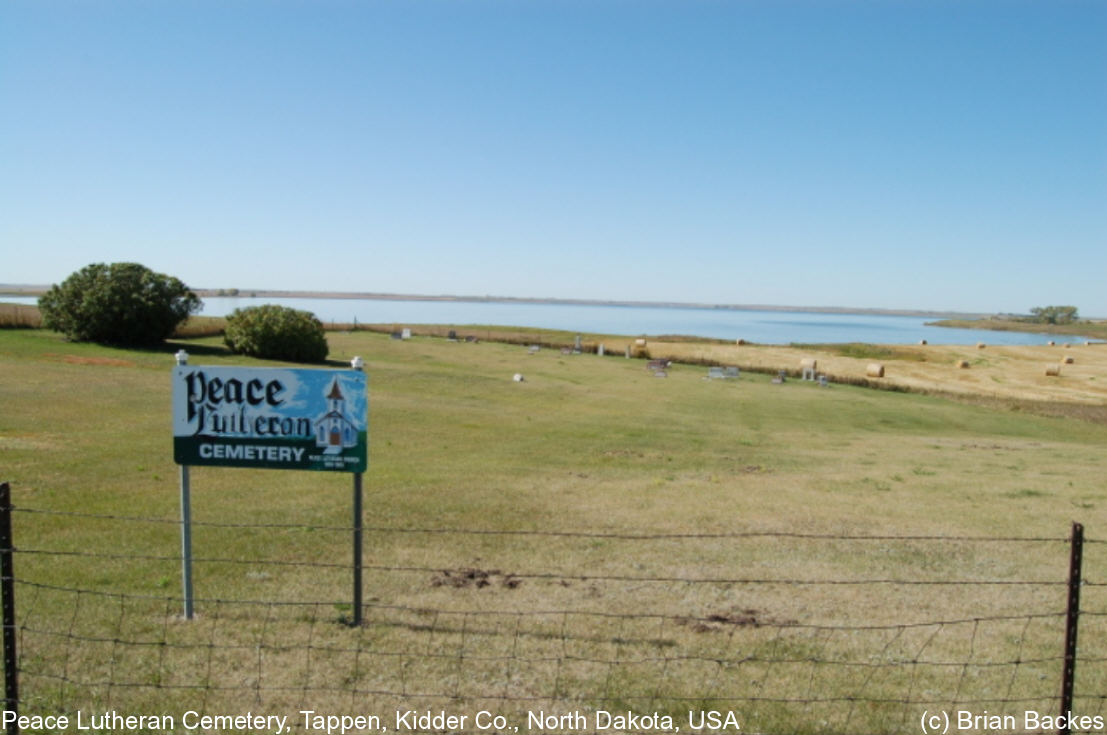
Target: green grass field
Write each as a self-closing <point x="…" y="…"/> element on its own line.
<point x="591" y="538"/>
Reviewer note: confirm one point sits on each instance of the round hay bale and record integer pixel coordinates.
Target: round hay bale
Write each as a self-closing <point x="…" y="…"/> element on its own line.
<point x="808" y="363"/>
<point x="1051" y="343"/>
<point x="874" y="370"/>
<point x="1069" y="359"/>
<point x="518" y="378"/>
<point x="1066" y="345"/>
<point x="1053" y="371"/>
<point x="980" y="345"/>
<point x="741" y="342"/>
<point x="922" y="341"/>
<point x="963" y="364"/>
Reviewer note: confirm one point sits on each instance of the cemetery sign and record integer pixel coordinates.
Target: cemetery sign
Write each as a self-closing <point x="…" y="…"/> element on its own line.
<point x="276" y="418"/>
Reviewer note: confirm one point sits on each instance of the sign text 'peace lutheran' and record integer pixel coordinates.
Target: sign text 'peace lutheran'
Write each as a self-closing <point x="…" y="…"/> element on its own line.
<point x="270" y="417"/>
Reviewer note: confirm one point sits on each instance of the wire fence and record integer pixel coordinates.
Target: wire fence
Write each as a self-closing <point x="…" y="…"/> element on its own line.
<point x="487" y="630"/>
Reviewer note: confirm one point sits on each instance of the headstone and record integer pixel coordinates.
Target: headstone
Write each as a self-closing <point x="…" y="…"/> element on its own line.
<point x="396" y="335"/>
<point x="730" y="371"/>
<point x="452" y="335"/>
<point x="599" y="350"/>
<point x="406" y="334"/>
<point x="576" y="344"/>
<point x="822" y="381"/>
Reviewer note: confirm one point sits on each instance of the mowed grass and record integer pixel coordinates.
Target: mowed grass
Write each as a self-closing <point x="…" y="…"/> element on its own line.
<point x="602" y="508"/>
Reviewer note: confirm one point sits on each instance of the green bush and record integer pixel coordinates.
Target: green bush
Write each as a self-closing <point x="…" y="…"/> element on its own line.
<point x="276" y="333"/>
<point x="1055" y="314"/>
<point x="123" y="304"/>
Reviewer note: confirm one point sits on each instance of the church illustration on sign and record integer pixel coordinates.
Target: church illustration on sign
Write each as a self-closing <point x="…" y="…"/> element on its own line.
<point x="333" y="430"/>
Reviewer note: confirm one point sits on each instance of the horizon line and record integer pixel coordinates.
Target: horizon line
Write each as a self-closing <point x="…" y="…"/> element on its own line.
<point x="246" y="293"/>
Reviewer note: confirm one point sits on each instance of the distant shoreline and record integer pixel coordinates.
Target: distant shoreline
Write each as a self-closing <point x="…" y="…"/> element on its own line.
<point x="1094" y="328"/>
<point x="266" y="293"/>
<point x="271" y="293"/>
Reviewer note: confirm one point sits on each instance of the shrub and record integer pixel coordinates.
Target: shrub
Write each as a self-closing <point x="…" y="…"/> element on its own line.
<point x="1054" y="314"/>
<point x="276" y="333"/>
<point x="124" y="304"/>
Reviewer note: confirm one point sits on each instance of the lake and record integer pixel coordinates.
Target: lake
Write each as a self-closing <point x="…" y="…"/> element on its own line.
<point x="765" y="327"/>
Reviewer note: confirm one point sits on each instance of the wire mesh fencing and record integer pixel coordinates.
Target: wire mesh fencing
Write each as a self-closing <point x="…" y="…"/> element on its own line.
<point x="491" y="630"/>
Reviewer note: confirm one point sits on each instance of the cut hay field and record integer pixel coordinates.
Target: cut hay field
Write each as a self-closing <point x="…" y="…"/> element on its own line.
<point x="1011" y="374"/>
<point x="816" y="560"/>
<point x="1016" y="372"/>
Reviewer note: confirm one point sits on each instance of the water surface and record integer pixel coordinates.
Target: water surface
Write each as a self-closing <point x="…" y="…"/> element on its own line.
<point x="764" y="327"/>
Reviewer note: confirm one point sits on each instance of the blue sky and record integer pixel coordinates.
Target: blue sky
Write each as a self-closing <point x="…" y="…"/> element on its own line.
<point x="895" y="154"/>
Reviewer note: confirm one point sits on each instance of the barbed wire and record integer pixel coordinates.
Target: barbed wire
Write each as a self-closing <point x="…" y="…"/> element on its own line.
<point x="102" y="645"/>
<point x="549" y="576"/>
<point x="612" y="535"/>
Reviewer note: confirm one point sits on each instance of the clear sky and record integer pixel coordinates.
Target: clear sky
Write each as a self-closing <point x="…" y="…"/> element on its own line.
<point x="872" y="153"/>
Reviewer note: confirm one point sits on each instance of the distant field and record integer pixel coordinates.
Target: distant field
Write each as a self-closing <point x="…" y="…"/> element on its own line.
<point x="1097" y="328"/>
<point x="1013" y="375"/>
<point x="592" y="537"/>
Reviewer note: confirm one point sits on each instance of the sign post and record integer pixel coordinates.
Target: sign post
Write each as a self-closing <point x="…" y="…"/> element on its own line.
<point x="271" y="418"/>
<point x="186" y="525"/>
<point x="355" y="615"/>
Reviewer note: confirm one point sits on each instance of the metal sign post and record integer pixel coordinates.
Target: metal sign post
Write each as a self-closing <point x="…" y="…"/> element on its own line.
<point x="355" y="616"/>
<point x="186" y="544"/>
<point x="186" y="526"/>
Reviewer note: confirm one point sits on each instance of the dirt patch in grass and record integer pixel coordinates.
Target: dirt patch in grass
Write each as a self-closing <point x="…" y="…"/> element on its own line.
<point x="473" y="578"/>
<point x="745" y="618"/>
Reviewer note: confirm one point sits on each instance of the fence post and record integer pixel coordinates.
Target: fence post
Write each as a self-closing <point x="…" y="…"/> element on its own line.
<point x="7" y="589"/>
<point x="1069" y="676"/>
